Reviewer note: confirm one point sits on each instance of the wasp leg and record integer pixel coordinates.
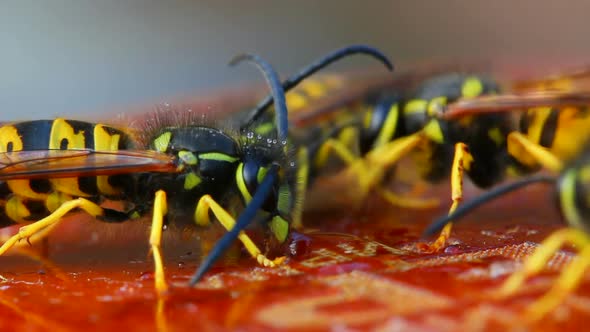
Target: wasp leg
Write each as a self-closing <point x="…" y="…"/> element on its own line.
<point x="207" y="203"/>
<point x="300" y="187"/>
<point x="370" y="175"/>
<point x="568" y="280"/>
<point x="160" y="210"/>
<point x="29" y="230"/>
<point x="402" y="201"/>
<point x="160" y="315"/>
<point x="341" y="150"/>
<point x="372" y="169"/>
<point x="521" y="148"/>
<point x="461" y="161"/>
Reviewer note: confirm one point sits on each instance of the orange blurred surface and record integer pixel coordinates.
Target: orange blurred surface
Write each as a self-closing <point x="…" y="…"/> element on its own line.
<point x="347" y="271"/>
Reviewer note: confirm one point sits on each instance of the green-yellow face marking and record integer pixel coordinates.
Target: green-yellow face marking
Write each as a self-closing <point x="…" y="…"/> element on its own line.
<point x="188" y="158"/>
<point x="472" y="87"/>
<point x="161" y="142"/>
<point x="191" y="181"/>
<point x="261" y="173"/>
<point x="218" y="156"/>
<point x="496" y="135"/>
<point x="434" y="131"/>
<point x="416" y="106"/>
<point x="280" y="228"/>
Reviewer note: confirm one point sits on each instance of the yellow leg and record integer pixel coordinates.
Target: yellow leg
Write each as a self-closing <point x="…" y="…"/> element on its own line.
<point x="372" y="169"/>
<point x="161" y="322"/>
<point x="345" y="146"/>
<point x="568" y="280"/>
<point x="461" y="161"/>
<point x="535" y="263"/>
<point x="521" y="148"/>
<point x="160" y="210"/>
<point x="207" y="203"/>
<point x="371" y="174"/>
<point x="50" y="221"/>
<point x="407" y="202"/>
<point x="340" y="149"/>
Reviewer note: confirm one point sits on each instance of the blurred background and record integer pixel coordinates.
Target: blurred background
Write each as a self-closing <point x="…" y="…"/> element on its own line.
<point x="65" y="58"/>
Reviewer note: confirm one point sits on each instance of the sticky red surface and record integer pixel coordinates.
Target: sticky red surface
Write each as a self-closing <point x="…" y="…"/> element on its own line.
<point x="351" y="271"/>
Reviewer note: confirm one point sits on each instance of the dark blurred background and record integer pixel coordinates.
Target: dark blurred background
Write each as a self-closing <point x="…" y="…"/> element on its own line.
<point x="61" y="58"/>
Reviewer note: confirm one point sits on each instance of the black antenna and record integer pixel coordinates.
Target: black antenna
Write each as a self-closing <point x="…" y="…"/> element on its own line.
<point x="277" y="93"/>
<point x="244" y="220"/>
<point x="292" y="81"/>
<point x="464" y="209"/>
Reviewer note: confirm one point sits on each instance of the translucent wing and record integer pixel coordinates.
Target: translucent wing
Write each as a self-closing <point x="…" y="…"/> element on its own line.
<point x="515" y="102"/>
<point x="569" y="80"/>
<point x="73" y="163"/>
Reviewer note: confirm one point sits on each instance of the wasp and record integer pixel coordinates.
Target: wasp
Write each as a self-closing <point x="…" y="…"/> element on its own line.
<point x="572" y="186"/>
<point x="176" y="166"/>
<point x="553" y="134"/>
<point x="432" y="124"/>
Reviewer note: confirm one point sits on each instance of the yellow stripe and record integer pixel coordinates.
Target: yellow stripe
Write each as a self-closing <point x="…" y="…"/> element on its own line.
<point x="68" y="186"/>
<point x="55" y="200"/>
<point x="9" y="134"/>
<point x="567" y="198"/>
<point x="103" y="141"/>
<point x="242" y="185"/>
<point x="23" y="188"/>
<point x="16" y="210"/>
<point x="61" y="130"/>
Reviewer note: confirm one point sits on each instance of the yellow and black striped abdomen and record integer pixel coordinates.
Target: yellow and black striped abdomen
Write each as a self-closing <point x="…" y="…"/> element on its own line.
<point x="26" y="199"/>
<point x="563" y="131"/>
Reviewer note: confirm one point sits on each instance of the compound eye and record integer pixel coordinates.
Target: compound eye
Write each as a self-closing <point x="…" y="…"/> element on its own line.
<point x="252" y="174"/>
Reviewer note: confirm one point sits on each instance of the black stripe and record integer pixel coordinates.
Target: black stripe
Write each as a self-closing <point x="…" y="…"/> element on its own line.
<point x="87" y="128"/>
<point x="549" y="129"/>
<point x="40" y="186"/>
<point x="34" y="134"/>
<point x="87" y="184"/>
